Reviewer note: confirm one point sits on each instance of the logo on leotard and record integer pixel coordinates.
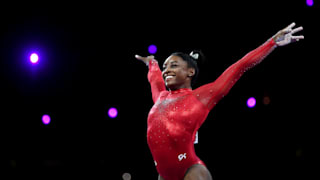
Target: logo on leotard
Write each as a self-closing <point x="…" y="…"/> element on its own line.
<point x="182" y="156"/>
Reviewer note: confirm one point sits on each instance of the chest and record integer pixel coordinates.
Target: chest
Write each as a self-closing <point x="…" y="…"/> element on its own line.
<point x="178" y="112"/>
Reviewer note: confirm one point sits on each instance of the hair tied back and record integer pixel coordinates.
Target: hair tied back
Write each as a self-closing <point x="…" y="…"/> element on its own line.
<point x="194" y="55"/>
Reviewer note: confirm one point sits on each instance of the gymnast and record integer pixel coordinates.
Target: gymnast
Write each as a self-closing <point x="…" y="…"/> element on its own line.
<point x="179" y="111"/>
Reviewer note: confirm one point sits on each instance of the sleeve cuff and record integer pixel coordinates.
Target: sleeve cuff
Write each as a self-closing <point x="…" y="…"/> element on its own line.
<point x="152" y="63"/>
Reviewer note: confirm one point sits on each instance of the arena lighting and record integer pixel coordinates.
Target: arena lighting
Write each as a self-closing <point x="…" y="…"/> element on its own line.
<point x="46" y="119"/>
<point x="126" y="176"/>
<point x="309" y="2"/>
<point x="152" y="49"/>
<point x="113" y="112"/>
<point x="34" y="58"/>
<point x="251" y="102"/>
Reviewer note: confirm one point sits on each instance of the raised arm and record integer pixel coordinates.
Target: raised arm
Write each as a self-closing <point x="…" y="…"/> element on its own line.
<point x="154" y="76"/>
<point x="211" y="93"/>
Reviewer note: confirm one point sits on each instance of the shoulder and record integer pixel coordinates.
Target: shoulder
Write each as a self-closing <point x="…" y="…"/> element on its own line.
<point x="163" y="93"/>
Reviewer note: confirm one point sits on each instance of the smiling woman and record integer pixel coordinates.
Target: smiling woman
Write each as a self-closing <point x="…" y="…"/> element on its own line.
<point x="177" y="74"/>
<point x="181" y="70"/>
<point x="178" y="112"/>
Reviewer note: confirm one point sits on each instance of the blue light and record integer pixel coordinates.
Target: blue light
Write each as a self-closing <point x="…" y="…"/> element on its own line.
<point x="152" y="49"/>
<point x="34" y="58"/>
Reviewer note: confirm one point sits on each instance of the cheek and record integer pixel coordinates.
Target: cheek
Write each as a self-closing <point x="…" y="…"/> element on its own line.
<point x="181" y="74"/>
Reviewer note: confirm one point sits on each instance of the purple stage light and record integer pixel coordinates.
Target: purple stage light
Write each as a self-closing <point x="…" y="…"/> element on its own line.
<point x="309" y="2"/>
<point x="112" y="112"/>
<point x="46" y="119"/>
<point x="34" y="58"/>
<point x="251" y="102"/>
<point x="152" y="49"/>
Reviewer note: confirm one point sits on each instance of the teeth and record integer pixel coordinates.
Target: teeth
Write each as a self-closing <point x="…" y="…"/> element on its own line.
<point x="169" y="77"/>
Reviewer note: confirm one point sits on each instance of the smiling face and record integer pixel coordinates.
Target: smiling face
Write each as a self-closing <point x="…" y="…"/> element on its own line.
<point x="176" y="73"/>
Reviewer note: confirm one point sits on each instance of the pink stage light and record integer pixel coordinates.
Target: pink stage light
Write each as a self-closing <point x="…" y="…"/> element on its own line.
<point x="113" y="112"/>
<point x="251" y="102"/>
<point x="46" y="119"/>
<point x="309" y="2"/>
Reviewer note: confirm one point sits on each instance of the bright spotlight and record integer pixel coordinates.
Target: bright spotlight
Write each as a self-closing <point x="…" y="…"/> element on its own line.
<point x="34" y="58"/>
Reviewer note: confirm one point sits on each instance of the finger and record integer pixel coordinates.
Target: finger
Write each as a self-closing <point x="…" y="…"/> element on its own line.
<point x="139" y="57"/>
<point x="297" y="38"/>
<point x="297" y="30"/>
<point x="150" y="57"/>
<point x="286" y="31"/>
<point x="291" y="26"/>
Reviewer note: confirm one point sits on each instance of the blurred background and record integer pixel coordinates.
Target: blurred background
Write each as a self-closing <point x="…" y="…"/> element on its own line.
<point x="74" y="100"/>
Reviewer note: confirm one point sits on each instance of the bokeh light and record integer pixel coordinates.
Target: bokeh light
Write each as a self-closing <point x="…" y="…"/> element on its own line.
<point x="126" y="176"/>
<point x="251" y="102"/>
<point x="113" y="112"/>
<point x="34" y="58"/>
<point x="266" y="100"/>
<point x="46" y="119"/>
<point x="309" y="2"/>
<point x="152" y="49"/>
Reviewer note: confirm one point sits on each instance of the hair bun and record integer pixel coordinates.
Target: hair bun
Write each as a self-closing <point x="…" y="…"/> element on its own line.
<point x="194" y="55"/>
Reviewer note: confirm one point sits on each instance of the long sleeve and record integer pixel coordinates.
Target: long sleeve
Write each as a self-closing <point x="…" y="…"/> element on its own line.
<point x="156" y="81"/>
<point x="211" y="93"/>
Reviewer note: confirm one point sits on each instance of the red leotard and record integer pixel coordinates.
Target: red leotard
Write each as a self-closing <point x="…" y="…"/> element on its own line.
<point x="177" y="115"/>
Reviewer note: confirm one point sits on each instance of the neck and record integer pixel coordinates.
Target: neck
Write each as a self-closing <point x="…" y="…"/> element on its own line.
<point x="180" y="87"/>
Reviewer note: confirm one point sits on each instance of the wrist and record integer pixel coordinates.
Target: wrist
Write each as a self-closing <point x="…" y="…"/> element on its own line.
<point x="274" y="42"/>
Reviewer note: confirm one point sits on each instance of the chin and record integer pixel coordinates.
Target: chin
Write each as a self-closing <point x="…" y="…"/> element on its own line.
<point x="169" y="85"/>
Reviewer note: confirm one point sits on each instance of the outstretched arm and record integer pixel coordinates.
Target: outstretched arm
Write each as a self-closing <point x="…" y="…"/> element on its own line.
<point x="154" y="76"/>
<point x="211" y="93"/>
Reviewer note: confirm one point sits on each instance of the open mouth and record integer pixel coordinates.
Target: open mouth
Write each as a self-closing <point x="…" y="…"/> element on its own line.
<point x="167" y="78"/>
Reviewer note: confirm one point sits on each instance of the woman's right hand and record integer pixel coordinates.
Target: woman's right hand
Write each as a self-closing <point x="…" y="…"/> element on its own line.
<point x="144" y="59"/>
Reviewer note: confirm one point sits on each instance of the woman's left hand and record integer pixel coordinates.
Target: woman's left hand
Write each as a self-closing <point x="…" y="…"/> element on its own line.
<point x="285" y="36"/>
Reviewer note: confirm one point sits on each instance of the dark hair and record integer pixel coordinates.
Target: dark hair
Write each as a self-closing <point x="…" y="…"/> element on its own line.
<point x="192" y="61"/>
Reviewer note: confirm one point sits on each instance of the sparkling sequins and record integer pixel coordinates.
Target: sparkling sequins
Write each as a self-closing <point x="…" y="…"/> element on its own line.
<point x="178" y="114"/>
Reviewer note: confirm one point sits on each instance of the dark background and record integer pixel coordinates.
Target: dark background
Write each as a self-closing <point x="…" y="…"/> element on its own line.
<point x="87" y="65"/>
